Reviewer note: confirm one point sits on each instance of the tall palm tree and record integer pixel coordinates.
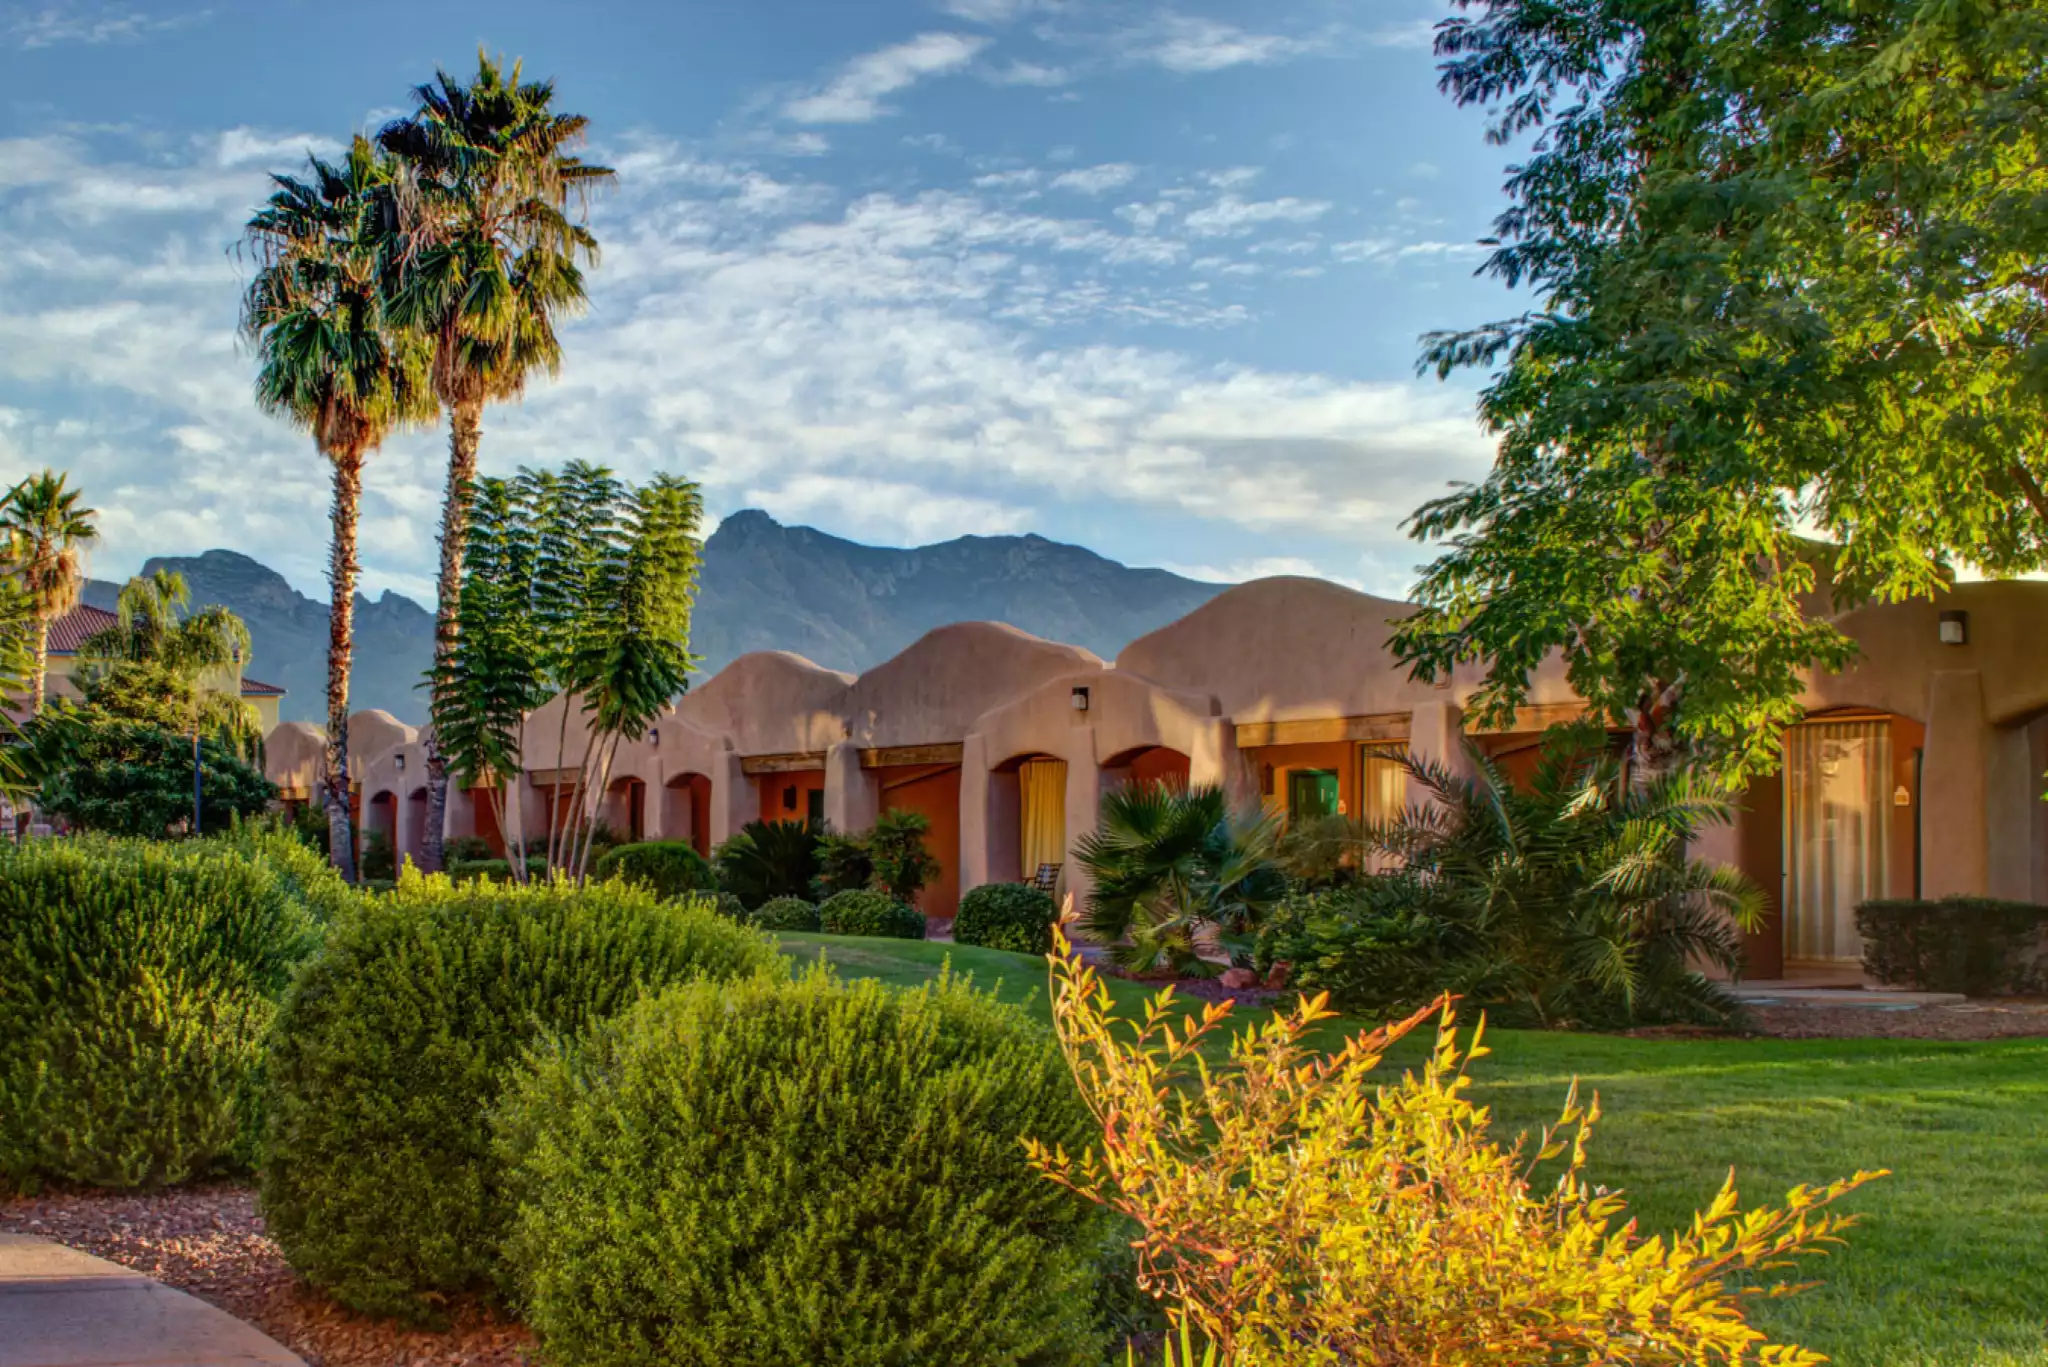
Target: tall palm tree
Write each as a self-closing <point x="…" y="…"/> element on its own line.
<point x="492" y="257"/>
<point x="331" y="362"/>
<point x="47" y="534"/>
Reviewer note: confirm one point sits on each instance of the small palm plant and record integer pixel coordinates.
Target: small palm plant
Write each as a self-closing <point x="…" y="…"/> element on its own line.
<point x="46" y="534"/>
<point x="1170" y="863"/>
<point x="765" y="860"/>
<point x="1572" y="899"/>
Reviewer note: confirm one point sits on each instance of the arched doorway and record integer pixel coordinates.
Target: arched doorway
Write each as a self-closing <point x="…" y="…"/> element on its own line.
<point x="932" y="791"/>
<point x="415" y="824"/>
<point x="1146" y="764"/>
<point x="686" y="811"/>
<point x="625" y="809"/>
<point x="379" y="820"/>
<point x="1027" y="829"/>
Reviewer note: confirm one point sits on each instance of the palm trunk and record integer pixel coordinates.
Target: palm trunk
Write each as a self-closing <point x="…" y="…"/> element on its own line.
<point x="465" y="428"/>
<point x="341" y="642"/>
<point x="41" y="651"/>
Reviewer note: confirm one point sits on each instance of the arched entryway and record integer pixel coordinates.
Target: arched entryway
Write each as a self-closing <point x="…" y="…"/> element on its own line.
<point x="686" y="811"/>
<point x="1154" y="765"/>
<point x="625" y="809"/>
<point x="378" y="819"/>
<point x="1027" y="817"/>
<point x="415" y="824"/>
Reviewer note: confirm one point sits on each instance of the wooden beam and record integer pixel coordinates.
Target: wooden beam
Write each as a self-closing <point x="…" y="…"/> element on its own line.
<point x="1537" y="717"/>
<point x="1322" y="730"/>
<point x="891" y="756"/>
<point x="794" y="762"/>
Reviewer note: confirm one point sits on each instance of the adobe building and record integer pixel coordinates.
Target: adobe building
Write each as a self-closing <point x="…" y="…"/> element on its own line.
<point x="1917" y="772"/>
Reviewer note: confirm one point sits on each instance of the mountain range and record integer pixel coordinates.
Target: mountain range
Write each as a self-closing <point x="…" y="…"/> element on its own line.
<point x="762" y="586"/>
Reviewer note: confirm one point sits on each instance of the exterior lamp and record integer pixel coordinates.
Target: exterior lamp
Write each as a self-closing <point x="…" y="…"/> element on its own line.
<point x="1955" y="628"/>
<point x="1080" y="700"/>
<point x="399" y="760"/>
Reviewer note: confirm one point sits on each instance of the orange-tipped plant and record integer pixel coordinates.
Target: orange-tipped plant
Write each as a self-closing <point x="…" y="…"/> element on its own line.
<point x="1297" y="1211"/>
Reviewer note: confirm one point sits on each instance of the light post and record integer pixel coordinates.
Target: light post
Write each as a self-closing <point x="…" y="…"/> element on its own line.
<point x="198" y="788"/>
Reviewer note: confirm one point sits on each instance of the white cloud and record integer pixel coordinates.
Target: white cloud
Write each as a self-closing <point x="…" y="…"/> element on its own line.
<point x="855" y="95"/>
<point x="253" y="147"/>
<point x="884" y="510"/>
<point x="40" y="26"/>
<point x="1191" y="44"/>
<point x="1388" y="250"/>
<point x="1233" y="216"/>
<point x="1096" y="180"/>
<point x="1031" y="74"/>
<point x="1260" y="567"/>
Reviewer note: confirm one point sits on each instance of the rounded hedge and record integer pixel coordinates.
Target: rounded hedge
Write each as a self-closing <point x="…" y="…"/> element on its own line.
<point x="784" y="913"/>
<point x="860" y="911"/>
<point x="378" y="1180"/>
<point x="1013" y="916"/>
<point x="137" y="980"/>
<point x="671" y="867"/>
<point x="802" y="1172"/>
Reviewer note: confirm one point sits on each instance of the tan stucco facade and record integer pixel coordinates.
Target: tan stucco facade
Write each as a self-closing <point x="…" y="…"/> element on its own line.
<point x="1269" y="679"/>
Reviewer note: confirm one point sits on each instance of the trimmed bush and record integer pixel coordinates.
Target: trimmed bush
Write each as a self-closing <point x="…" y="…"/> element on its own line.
<point x="784" y="913"/>
<point x="1376" y="956"/>
<point x="670" y="867"/>
<point x="802" y="1172"/>
<point x="137" y="980"/>
<point x="464" y="848"/>
<point x="306" y="873"/>
<point x="378" y="1180"/>
<point x="1013" y="916"/>
<point x="1973" y="945"/>
<point x="859" y="911"/>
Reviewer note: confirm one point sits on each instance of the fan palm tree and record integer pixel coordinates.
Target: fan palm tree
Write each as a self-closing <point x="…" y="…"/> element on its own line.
<point x="764" y="860"/>
<point x="330" y="362"/>
<point x="492" y="257"/>
<point x="47" y="535"/>
<point x="1168" y="861"/>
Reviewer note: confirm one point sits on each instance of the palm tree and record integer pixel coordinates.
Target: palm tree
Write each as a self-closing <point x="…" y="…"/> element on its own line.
<point x="154" y="659"/>
<point x="46" y="535"/>
<point x="1168" y="861"/>
<point x="330" y="362"/>
<point x="491" y="258"/>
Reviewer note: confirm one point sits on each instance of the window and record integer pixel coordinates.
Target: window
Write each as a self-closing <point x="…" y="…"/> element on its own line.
<point x="1311" y="794"/>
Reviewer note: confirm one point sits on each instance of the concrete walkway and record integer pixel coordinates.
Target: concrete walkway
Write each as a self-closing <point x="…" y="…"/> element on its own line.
<point x="63" y="1308"/>
<point x="1793" y="992"/>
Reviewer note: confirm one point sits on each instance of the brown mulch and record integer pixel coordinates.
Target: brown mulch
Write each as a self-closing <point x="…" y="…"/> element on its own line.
<point x="209" y="1241"/>
<point x="1972" y="1020"/>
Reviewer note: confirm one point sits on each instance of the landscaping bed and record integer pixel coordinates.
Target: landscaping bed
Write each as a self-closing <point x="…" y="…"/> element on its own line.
<point x="209" y="1241"/>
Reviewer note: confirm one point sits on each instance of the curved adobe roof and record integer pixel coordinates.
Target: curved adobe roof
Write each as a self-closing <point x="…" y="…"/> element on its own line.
<point x="771" y="702"/>
<point x="934" y="688"/>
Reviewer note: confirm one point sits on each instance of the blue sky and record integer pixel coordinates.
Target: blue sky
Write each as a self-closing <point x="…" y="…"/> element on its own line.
<point x="1144" y="276"/>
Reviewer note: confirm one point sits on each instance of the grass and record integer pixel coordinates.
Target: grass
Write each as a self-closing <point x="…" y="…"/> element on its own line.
<point x="1949" y="1268"/>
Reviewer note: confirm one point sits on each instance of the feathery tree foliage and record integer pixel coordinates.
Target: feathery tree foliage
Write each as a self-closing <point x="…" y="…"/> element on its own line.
<point x="1169" y="862"/>
<point x="490" y="258"/>
<point x="45" y="535"/>
<point x="329" y="361"/>
<point x="1787" y="264"/>
<point x="579" y="585"/>
<point x="162" y="665"/>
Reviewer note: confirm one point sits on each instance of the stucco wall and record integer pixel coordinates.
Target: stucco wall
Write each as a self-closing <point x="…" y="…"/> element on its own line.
<point x="771" y="702"/>
<point x="933" y="690"/>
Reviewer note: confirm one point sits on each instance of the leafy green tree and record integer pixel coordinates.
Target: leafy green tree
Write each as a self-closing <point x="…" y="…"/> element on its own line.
<point x="45" y="535"/>
<point x="329" y="361"/>
<point x="903" y="866"/>
<point x="168" y="667"/>
<point x="105" y="773"/>
<point x="1170" y="863"/>
<point x="1786" y="261"/>
<point x="492" y="258"/>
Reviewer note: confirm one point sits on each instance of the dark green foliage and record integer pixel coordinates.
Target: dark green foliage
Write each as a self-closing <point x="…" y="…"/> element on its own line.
<point x="902" y="863"/>
<point x="878" y="1211"/>
<point x="843" y="864"/>
<point x="466" y="847"/>
<point x="494" y="870"/>
<point x="306" y="875"/>
<point x="1168" y="861"/>
<point x="128" y="778"/>
<point x="1568" y="902"/>
<point x="1973" y="945"/>
<point x="768" y="859"/>
<point x="670" y="867"/>
<point x="380" y="861"/>
<point x="783" y="913"/>
<point x="136" y="983"/>
<point x="309" y="827"/>
<point x="1013" y="916"/>
<point x="377" y="1177"/>
<point x="863" y="911"/>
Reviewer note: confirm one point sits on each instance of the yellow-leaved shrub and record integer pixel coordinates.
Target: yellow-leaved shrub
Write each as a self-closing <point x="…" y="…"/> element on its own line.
<point x="1296" y="1210"/>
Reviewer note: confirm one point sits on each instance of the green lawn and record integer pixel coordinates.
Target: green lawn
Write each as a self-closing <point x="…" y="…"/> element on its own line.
<point x="1951" y="1264"/>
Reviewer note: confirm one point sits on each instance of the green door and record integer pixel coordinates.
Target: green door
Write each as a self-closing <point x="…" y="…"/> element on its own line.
<point x="1311" y="793"/>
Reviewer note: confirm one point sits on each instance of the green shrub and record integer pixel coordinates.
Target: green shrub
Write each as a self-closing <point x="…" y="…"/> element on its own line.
<point x="465" y="848"/>
<point x="670" y="867"/>
<point x="843" y="863"/>
<point x="493" y="870"/>
<point x="1013" y="916"/>
<point x="903" y="866"/>
<point x="378" y="1181"/>
<point x="878" y="1209"/>
<point x="1374" y="955"/>
<point x="862" y="912"/>
<point x="764" y="860"/>
<point x="137" y="980"/>
<point x="306" y="873"/>
<point x="784" y="913"/>
<point x="1972" y="945"/>
<point x="380" y="860"/>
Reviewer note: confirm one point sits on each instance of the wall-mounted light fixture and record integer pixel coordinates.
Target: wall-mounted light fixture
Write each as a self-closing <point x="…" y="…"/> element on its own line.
<point x="400" y="761"/>
<point x="654" y="736"/>
<point x="1955" y="628"/>
<point x="1080" y="700"/>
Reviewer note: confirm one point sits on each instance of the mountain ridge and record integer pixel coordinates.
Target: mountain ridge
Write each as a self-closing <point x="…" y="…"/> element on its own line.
<point x="763" y="585"/>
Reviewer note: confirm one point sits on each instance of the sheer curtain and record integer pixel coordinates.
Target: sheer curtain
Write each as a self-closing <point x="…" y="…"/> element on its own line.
<point x="1042" y="803"/>
<point x="1382" y="793"/>
<point x="1837" y="801"/>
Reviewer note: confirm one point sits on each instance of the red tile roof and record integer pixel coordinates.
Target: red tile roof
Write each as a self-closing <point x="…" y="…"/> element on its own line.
<point x="72" y="630"/>
<point x="253" y="689"/>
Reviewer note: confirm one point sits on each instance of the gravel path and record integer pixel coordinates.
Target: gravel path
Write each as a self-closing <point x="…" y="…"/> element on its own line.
<point x="209" y="1241"/>
<point x="1972" y="1020"/>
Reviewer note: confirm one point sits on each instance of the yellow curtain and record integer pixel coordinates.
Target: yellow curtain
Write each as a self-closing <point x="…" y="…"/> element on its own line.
<point x="1042" y="800"/>
<point x="1382" y="783"/>
<point x="1837" y="809"/>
